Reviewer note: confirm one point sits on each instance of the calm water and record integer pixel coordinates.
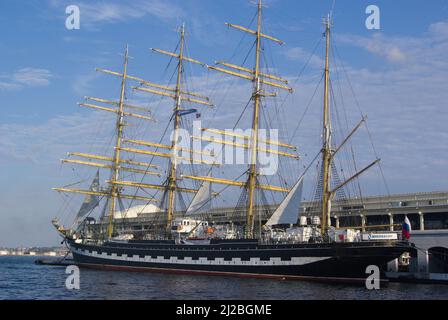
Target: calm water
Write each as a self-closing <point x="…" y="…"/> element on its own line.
<point x="20" y="278"/>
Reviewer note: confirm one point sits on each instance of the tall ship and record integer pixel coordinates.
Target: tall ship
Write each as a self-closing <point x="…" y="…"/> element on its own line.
<point x="274" y="242"/>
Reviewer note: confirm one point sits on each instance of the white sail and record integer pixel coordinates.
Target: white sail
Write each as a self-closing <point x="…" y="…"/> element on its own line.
<point x="90" y="201"/>
<point x="202" y="200"/>
<point x="288" y="211"/>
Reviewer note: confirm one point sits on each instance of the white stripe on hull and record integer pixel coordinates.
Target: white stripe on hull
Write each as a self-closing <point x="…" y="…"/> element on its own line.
<point x="295" y="261"/>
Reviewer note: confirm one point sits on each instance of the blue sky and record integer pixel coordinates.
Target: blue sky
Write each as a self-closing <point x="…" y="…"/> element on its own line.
<point x="399" y="74"/>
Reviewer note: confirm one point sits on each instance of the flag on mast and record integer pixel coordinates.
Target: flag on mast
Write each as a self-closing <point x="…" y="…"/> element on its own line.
<point x="183" y="113"/>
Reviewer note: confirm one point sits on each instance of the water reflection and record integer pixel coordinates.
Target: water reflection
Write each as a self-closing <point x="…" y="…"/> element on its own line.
<point x="21" y="279"/>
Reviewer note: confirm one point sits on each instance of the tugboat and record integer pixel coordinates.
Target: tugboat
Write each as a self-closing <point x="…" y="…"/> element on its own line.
<point x="191" y="245"/>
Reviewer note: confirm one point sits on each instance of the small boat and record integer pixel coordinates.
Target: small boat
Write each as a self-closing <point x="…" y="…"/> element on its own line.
<point x="55" y="262"/>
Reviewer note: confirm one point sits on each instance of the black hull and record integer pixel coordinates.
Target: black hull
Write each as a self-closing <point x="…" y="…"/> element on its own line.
<point x="245" y="259"/>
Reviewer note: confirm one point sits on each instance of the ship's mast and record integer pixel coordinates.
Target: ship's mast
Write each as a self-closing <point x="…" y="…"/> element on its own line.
<point x="253" y="172"/>
<point x="114" y="163"/>
<point x="114" y="193"/>
<point x="326" y="150"/>
<point x="179" y="95"/>
<point x="177" y="118"/>
<point x="259" y="79"/>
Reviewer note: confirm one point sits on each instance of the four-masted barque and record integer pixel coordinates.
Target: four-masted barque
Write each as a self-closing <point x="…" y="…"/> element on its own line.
<point x="197" y="246"/>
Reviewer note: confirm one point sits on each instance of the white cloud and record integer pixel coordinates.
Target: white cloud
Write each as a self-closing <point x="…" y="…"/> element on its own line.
<point x="25" y="77"/>
<point x="118" y="11"/>
<point x="9" y="85"/>
<point x="439" y="29"/>
<point x="46" y="142"/>
<point x="83" y="83"/>
<point x="425" y="52"/>
<point x="301" y="55"/>
<point x="32" y="77"/>
<point x="377" y="44"/>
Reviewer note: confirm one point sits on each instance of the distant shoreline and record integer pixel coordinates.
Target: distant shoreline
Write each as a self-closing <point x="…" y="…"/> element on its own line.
<point x="29" y="256"/>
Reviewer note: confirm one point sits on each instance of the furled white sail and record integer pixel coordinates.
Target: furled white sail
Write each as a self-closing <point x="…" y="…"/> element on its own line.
<point x="90" y="201"/>
<point x="288" y="211"/>
<point x="202" y="200"/>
